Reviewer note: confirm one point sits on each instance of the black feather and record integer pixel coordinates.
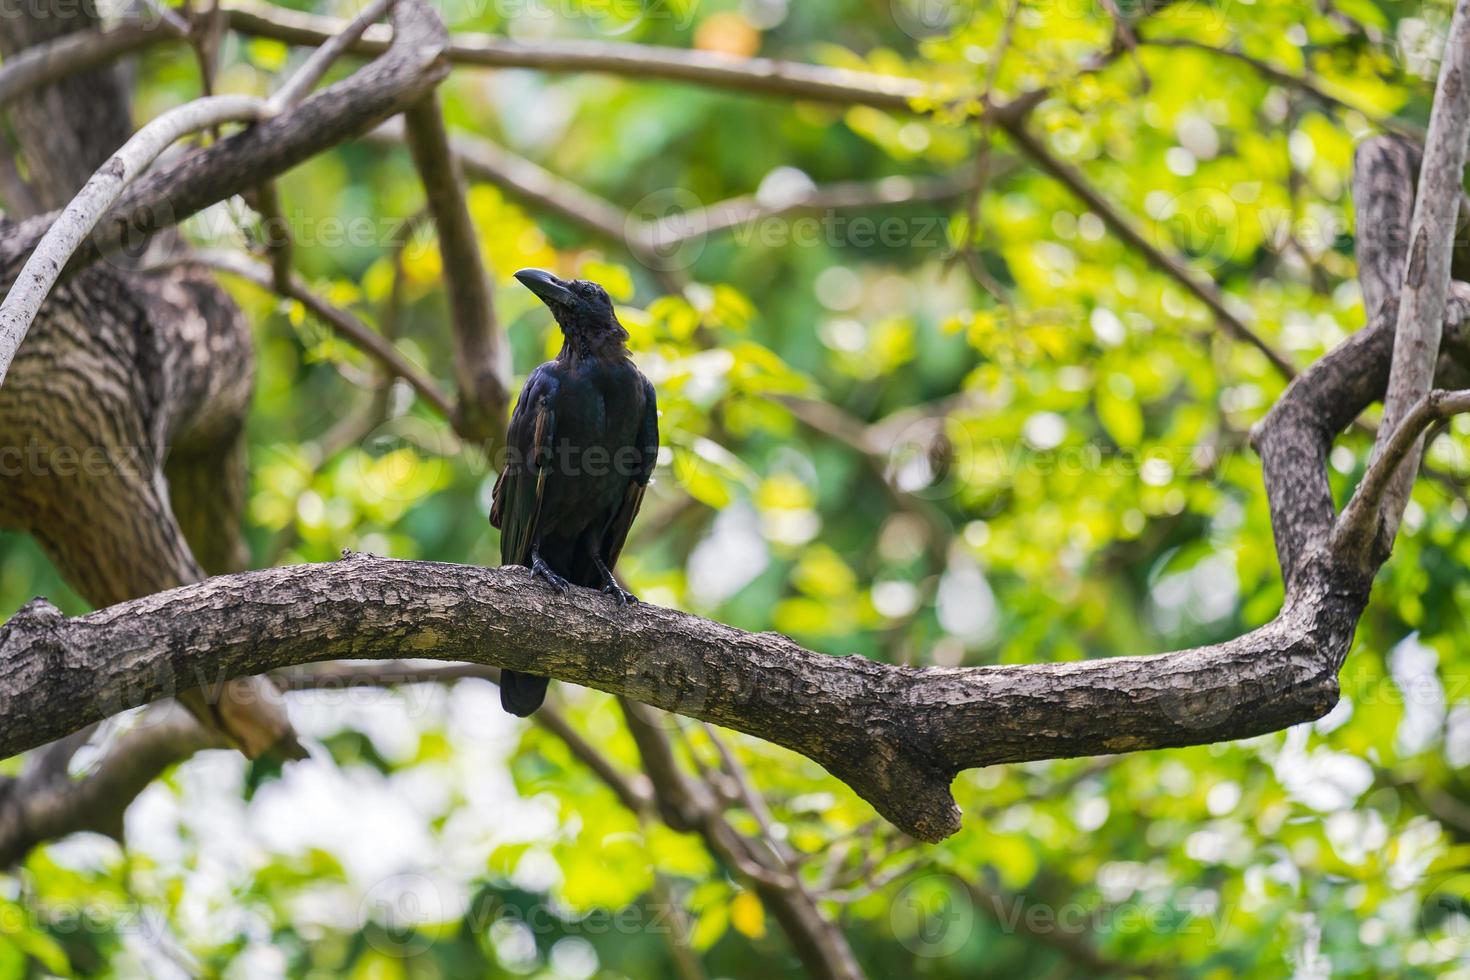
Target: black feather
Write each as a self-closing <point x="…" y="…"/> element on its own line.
<point x="579" y="452"/>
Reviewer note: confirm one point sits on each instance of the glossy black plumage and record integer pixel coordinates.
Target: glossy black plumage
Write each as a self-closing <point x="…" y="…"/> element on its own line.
<point x="580" y="450"/>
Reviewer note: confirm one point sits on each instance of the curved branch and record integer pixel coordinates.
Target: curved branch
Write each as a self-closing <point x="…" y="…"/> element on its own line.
<point x="322" y="59"/>
<point x="1426" y="278"/>
<point x="1361" y="517"/>
<point x="412" y="65"/>
<point x="896" y="735"/>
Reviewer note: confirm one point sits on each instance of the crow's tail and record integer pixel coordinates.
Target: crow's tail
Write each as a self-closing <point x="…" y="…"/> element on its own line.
<point x="521" y="694"/>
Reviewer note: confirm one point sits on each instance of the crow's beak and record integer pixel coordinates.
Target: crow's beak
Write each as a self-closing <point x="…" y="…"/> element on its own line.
<point x="547" y="287"/>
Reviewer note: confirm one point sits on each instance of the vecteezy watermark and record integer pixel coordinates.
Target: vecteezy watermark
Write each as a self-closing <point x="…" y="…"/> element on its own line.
<point x="1444" y="916"/>
<point x="93" y="916"/>
<point x="35" y="459"/>
<point x="933" y="916"/>
<point x="834" y="229"/>
<point x="400" y="915"/>
<point x="921" y="19"/>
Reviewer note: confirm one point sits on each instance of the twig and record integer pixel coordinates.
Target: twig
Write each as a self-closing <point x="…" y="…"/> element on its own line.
<point x="1281" y="76"/>
<point x="1203" y="289"/>
<point x="352" y="329"/>
<point x="1364" y="514"/>
<point x="322" y="59"/>
<point x="759" y="75"/>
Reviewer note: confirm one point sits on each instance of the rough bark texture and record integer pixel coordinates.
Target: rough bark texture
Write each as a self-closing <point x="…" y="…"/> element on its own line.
<point x="897" y="735"/>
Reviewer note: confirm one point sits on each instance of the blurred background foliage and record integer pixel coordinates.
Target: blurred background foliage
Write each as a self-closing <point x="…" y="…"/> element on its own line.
<point x="997" y="435"/>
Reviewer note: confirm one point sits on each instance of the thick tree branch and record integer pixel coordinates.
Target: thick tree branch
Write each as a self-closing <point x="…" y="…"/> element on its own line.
<point x="412" y="65"/>
<point x="897" y="735"/>
<point x="69" y="54"/>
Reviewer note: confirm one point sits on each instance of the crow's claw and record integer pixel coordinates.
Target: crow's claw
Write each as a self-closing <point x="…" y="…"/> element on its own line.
<point x="539" y="570"/>
<point x="623" y="597"/>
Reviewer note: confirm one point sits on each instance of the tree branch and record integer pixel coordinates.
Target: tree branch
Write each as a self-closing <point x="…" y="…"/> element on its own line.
<point x="51" y="60"/>
<point x="412" y="65"/>
<point x="759" y="75"/>
<point x="1281" y="76"/>
<point x="481" y="362"/>
<point x="344" y="323"/>
<point x="1425" y="283"/>
<point x="1362" y="516"/>
<point x="897" y="735"/>
<point x="1203" y="289"/>
<point x="322" y="59"/>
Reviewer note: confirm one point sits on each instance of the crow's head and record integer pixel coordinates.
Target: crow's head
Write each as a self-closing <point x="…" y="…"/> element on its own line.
<point x="582" y="308"/>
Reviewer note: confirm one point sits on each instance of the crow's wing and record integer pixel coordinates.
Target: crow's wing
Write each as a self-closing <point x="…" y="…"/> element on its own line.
<point x="516" y="503"/>
<point x="622" y="520"/>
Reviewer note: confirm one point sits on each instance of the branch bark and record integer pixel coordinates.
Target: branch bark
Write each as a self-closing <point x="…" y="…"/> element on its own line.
<point x="896" y="735"/>
<point x="411" y="66"/>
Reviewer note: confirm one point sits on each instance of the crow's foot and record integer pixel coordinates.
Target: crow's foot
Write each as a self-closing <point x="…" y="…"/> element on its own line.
<point x="623" y="596"/>
<point x="540" y="570"/>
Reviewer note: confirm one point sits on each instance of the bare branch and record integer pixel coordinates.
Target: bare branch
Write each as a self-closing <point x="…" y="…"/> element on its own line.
<point x="897" y="735"/>
<point x="482" y="364"/>
<point x="1281" y="76"/>
<point x="49" y="61"/>
<point x="1426" y="277"/>
<point x="412" y="66"/>
<point x="322" y="59"/>
<point x="759" y="75"/>
<point x="1362" y="516"/>
<point x="1175" y="268"/>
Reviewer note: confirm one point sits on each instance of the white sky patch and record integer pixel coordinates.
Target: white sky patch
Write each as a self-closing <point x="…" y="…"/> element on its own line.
<point x="729" y="557"/>
<point x="1321" y="779"/>
<point x="966" y="605"/>
<point x="1415" y="671"/>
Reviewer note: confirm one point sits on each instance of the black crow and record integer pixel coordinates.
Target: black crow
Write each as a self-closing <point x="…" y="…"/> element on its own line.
<point x="579" y="453"/>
